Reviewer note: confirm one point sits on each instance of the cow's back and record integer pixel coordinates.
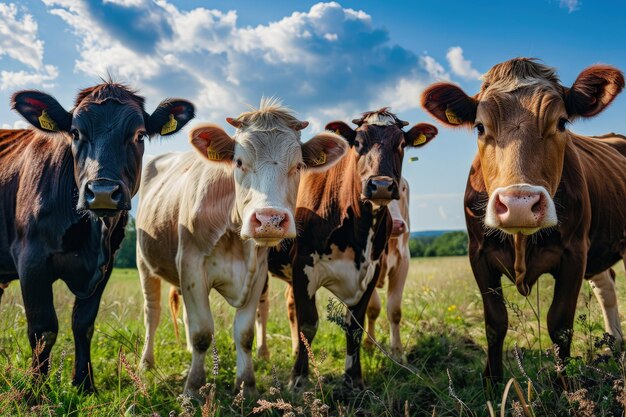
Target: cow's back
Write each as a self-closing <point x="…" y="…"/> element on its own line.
<point x="36" y="192"/>
<point x="181" y="195"/>
<point x="604" y="167"/>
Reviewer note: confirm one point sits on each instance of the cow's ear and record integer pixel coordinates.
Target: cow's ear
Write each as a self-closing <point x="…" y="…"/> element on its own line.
<point x="42" y="111"/>
<point x="212" y="143"/>
<point x="323" y="151"/>
<point x="420" y="135"/>
<point x="340" y="128"/>
<point x="594" y="89"/>
<point x="449" y="104"/>
<point x="169" y="117"/>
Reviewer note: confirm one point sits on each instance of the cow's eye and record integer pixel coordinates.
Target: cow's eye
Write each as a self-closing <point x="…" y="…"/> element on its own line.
<point x="480" y="128"/>
<point x="562" y="124"/>
<point x="75" y="134"/>
<point x="141" y="136"/>
<point x="239" y="163"/>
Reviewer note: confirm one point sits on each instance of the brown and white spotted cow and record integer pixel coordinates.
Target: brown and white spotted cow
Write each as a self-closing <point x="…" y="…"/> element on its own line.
<point x="206" y="220"/>
<point x="344" y="227"/>
<point x="540" y="198"/>
<point x="395" y="267"/>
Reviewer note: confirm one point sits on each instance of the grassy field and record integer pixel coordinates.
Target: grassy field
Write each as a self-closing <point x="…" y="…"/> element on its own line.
<point x="442" y="333"/>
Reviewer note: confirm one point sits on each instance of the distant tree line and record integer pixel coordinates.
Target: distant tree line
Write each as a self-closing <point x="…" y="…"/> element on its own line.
<point x="446" y="244"/>
<point x="126" y="256"/>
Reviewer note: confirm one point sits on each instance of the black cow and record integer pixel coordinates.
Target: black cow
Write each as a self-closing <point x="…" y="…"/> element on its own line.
<point x="344" y="226"/>
<point x="65" y="191"/>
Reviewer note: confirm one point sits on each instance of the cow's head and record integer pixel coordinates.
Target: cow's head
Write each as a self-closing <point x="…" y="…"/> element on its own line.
<point x="266" y="158"/>
<point x="521" y="115"/>
<point x="378" y="145"/>
<point x="107" y="129"/>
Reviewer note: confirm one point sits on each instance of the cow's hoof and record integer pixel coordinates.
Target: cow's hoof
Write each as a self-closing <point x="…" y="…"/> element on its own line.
<point x="194" y="394"/>
<point x="398" y="355"/>
<point x="263" y="353"/>
<point x="248" y="388"/>
<point x="298" y="384"/>
<point x="353" y="384"/>
<point x="85" y="387"/>
<point x="146" y="364"/>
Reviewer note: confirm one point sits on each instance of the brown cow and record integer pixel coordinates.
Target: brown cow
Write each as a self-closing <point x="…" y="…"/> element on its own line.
<point x="539" y="198"/>
<point x="344" y="227"/>
<point x="395" y="267"/>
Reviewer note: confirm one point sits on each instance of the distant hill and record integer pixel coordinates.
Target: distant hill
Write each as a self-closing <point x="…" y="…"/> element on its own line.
<point x="432" y="233"/>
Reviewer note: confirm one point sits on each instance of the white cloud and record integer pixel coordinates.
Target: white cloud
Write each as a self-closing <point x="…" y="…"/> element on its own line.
<point x="18" y="37"/>
<point x="18" y="40"/>
<point x="327" y="58"/>
<point x="13" y="79"/>
<point x="459" y="65"/>
<point x="570" y="5"/>
<point x="402" y="96"/>
<point x="19" y="124"/>
<point x="434" y="68"/>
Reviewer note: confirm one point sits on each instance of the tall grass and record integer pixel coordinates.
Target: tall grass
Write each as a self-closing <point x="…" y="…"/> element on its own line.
<point x="442" y="330"/>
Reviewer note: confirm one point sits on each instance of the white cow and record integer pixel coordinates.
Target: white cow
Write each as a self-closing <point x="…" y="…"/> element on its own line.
<point x="206" y="219"/>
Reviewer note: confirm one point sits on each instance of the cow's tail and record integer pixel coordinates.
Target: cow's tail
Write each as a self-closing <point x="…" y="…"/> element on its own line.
<point x="174" y="301"/>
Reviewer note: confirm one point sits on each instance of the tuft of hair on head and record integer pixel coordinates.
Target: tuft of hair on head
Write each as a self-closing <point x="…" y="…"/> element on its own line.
<point x="382" y="117"/>
<point x="109" y="89"/>
<point x="270" y="114"/>
<point x="517" y="73"/>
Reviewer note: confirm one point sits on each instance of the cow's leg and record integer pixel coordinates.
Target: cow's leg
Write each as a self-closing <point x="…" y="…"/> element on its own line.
<point x="83" y="322"/>
<point x="41" y="317"/>
<point x="261" y="322"/>
<point x="307" y="319"/>
<point x="244" y="337"/>
<point x="563" y="308"/>
<point x="353" y="376"/>
<point x="201" y="326"/>
<point x="187" y="335"/>
<point x="603" y="286"/>
<point x="293" y="319"/>
<point x="151" y="286"/>
<point x="373" y="311"/>
<point x="395" y="289"/>
<point x="496" y="318"/>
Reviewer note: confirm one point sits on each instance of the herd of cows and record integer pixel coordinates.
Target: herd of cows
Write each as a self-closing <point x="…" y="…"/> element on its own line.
<point x="330" y="212"/>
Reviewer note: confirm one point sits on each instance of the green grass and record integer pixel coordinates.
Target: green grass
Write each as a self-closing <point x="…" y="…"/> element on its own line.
<point x="442" y="330"/>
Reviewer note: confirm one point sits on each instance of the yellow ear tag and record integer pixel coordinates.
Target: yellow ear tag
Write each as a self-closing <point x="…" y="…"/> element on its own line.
<point x="319" y="161"/>
<point x="212" y="155"/>
<point x="337" y="132"/>
<point x="452" y="117"/>
<point x="421" y="138"/>
<point x="170" y="126"/>
<point x="47" y="123"/>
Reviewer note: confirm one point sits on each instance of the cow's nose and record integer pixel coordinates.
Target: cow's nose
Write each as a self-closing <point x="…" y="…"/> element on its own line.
<point x="381" y="188"/>
<point x="525" y="209"/>
<point x="104" y="194"/>
<point x="270" y="223"/>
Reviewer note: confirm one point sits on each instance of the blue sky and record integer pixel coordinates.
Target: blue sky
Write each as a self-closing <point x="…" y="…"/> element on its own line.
<point x="326" y="60"/>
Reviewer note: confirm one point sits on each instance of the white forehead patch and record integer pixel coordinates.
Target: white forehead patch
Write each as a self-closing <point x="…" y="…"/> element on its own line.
<point x="380" y="119"/>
